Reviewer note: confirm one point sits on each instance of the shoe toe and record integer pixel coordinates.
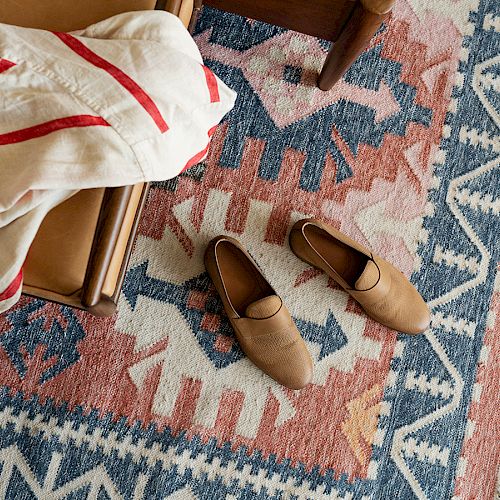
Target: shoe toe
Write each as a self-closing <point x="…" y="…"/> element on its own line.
<point x="294" y="370"/>
<point x="420" y="317"/>
<point x="411" y="312"/>
<point x="283" y="356"/>
<point x="396" y="303"/>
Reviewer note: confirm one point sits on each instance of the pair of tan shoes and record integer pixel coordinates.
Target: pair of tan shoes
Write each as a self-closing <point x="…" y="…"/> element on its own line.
<point x="263" y="325"/>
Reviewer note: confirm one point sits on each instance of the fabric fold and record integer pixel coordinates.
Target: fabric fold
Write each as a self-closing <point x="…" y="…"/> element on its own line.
<point x="126" y="100"/>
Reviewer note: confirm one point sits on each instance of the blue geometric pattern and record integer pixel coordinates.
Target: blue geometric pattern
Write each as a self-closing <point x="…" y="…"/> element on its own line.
<point x="138" y="283"/>
<point x="458" y="294"/>
<point x="59" y="342"/>
<point x="160" y="463"/>
<point x="48" y="450"/>
<point x="303" y="134"/>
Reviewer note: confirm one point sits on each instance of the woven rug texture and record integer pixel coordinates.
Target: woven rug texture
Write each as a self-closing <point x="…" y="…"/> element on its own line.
<point x="158" y="401"/>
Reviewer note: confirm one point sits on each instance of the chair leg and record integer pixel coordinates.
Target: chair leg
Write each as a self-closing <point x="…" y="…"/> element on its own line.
<point x="111" y="215"/>
<point x="197" y="6"/>
<point x="353" y="39"/>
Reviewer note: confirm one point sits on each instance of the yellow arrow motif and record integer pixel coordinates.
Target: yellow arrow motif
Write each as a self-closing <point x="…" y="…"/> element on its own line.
<point x="361" y="424"/>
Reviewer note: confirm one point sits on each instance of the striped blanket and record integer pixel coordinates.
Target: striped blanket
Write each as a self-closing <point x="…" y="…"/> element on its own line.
<point x="124" y="101"/>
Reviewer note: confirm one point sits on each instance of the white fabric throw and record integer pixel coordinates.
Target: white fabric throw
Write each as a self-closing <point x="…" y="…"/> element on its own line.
<point x="124" y="101"/>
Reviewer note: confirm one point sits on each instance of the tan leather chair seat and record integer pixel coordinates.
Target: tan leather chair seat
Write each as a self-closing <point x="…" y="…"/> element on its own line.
<point x="65" y="15"/>
<point x="57" y="260"/>
<point x="58" y="257"/>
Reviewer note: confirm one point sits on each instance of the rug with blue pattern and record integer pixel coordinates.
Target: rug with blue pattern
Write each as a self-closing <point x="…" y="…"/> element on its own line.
<point x="158" y="401"/>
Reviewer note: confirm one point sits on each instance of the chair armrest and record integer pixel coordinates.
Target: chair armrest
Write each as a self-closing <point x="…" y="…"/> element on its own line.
<point x="111" y="216"/>
<point x="378" y="6"/>
<point x="197" y="6"/>
<point x="172" y="6"/>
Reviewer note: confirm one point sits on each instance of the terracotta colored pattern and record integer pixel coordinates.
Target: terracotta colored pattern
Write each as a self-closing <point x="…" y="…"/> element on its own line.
<point x="159" y="402"/>
<point x="130" y="85"/>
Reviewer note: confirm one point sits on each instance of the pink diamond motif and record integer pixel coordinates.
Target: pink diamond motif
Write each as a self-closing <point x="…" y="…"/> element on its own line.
<point x="263" y="66"/>
<point x="210" y="322"/>
<point x="223" y="343"/>
<point x="197" y="299"/>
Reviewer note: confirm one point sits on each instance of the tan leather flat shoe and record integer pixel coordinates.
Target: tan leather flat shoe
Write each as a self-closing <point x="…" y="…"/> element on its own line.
<point x="262" y="323"/>
<point x="382" y="291"/>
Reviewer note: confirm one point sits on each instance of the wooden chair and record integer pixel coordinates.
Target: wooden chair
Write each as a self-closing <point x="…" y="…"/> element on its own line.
<point x="80" y="254"/>
<point x="350" y="24"/>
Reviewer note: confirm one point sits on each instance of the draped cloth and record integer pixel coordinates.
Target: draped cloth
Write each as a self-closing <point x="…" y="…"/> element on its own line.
<point x="124" y="101"/>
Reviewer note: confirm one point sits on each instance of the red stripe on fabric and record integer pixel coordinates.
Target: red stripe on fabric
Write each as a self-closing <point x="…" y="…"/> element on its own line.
<point x="213" y="88"/>
<point x="199" y="156"/>
<point x="5" y="65"/>
<point x="12" y="289"/>
<point x="25" y="134"/>
<point x="196" y="158"/>
<point x="123" y="79"/>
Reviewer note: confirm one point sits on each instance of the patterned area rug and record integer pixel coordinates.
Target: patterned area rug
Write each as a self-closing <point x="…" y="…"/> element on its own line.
<point x="159" y="402"/>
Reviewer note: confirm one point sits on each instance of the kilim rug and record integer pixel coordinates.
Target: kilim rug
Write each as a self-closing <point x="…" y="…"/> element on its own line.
<point x="159" y="402"/>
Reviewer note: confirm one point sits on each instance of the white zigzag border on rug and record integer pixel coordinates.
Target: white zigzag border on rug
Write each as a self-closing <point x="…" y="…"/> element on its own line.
<point x="475" y="138"/>
<point x="451" y="324"/>
<point x="477" y="201"/>
<point x="477" y="88"/>
<point x="470" y="426"/>
<point x="95" y="478"/>
<point x="199" y="466"/>
<point x="469" y="231"/>
<point x="401" y="434"/>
